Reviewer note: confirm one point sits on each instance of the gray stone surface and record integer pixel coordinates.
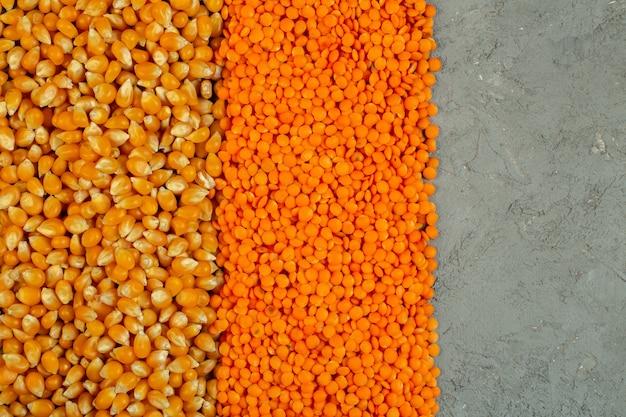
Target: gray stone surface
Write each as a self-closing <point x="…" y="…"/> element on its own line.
<point x="531" y="289"/>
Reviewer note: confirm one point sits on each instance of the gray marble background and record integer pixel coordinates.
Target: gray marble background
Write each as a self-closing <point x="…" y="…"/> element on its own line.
<point x="531" y="193"/>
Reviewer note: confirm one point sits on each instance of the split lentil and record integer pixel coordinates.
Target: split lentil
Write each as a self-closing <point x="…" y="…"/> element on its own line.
<point x="108" y="156"/>
<point x="324" y="217"/>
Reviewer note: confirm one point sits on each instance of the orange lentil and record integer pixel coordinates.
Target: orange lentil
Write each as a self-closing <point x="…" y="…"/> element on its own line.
<point x="324" y="218"/>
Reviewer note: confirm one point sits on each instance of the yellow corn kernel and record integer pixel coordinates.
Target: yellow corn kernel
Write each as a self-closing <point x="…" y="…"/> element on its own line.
<point x="71" y="410"/>
<point x="169" y="81"/>
<point x="48" y="319"/>
<point x="122" y="53"/>
<point x="112" y="370"/>
<point x="176" y="97"/>
<point x="124" y="96"/>
<point x="13" y="98"/>
<point x="30" y="325"/>
<point x="75" y="374"/>
<point x="120" y="403"/>
<point x="138" y="167"/>
<point x="150" y="103"/>
<point x="75" y="224"/>
<point x="56" y="54"/>
<point x="18" y="310"/>
<point x="104" y="28"/>
<point x="166" y="199"/>
<point x="130" y="38"/>
<point x="205" y="27"/>
<point x="105" y="93"/>
<point x="131" y="202"/>
<point x="91" y="237"/>
<point x="41" y="33"/>
<point x="136" y="409"/>
<point x="97" y="64"/>
<point x="61" y="396"/>
<point x="157" y="359"/>
<point x="85" y="314"/>
<point x="119" y="334"/>
<point x="178" y="319"/>
<point x="12" y="236"/>
<point x="105" y="345"/>
<point x="24" y="83"/>
<point x="15" y="362"/>
<point x="154" y="31"/>
<point x="126" y="382"/>
<point x="141" y="390"/>
<point x="189" y="213"/>
<point x="67" y="28"/>
<point x="52" y="207"/>
<point x="14" y="57"/>
<point x="217" y="23"/>
<point x="158" y="400"/>
<point x="172" y="41"/>
<point x="190" y="32"/>
<point x="8" y="396"/>
<point x="180" y="70"/>
<point x="26" y="4"/>
<point x="181" y="364"/>
<point x="105" y="398"/>
<point x="201" y="69"/>
<point x="162" y="13"/>
<point x="64" y="292"/>
<point x="159" y="379"/>
<point x="52" y="184"/>
<point x="45" y="69"/>
<point x="190" y="332"/>
<point x="84" y="403"/>
<point x="7" y="298"/>
<point x="76" y="71"/>
<point x="147" y="71"/>
<point x="129" y="307"/>
<point x="203" y="53"/>
<point x="106" y="257"/>
<point x="142" y="57"/>
<point x="41" y="408"/>
<point x="92" y="372"/>
<point x="205" y="367"/>
<point x="29" y="296"/>
<point x="95" y="43"/>
<point x="188" y="173"/>
<point x="64" y="120"/>
<point x="142" y="152"/>
<point x="206" y="343"/>
<point x="177" y="336"/>
<point x="96" y="8"/>
<point x="161" y="343"/>
<point x="51" y="228"/>
<point x="49" y="299"/>
<point x="7" y="138"/>
<point x="125" y="259"/>
<point x="188" y="390"/>
<point x="200" y="135"/>
<point x="114" y="216"/>
<point x="142" y="186"/>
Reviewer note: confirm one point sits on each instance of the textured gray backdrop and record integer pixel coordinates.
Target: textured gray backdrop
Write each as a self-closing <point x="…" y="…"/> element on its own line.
<point x="531" y="289"/>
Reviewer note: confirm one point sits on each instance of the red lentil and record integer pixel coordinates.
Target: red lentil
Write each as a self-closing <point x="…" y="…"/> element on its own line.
<point x="324" y="218"/>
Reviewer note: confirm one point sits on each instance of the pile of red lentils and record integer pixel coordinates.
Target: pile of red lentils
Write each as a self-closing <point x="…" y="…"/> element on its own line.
<point x="213" y="208"/>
